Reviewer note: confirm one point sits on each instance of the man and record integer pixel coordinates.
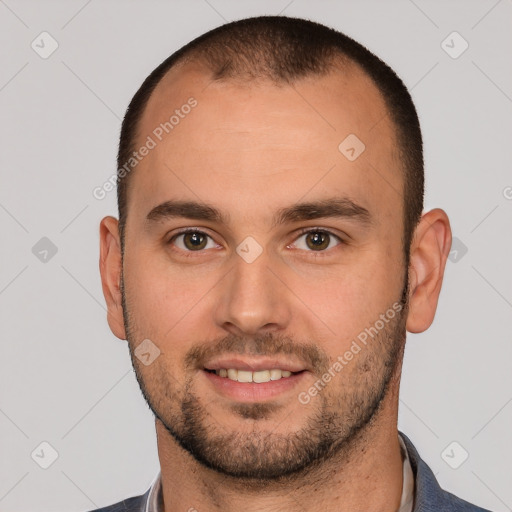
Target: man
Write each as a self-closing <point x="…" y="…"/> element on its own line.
<point x="269" y="257"/>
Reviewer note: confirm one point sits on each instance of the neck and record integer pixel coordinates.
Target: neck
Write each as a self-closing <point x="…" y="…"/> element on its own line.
<point x="367" y="477"/>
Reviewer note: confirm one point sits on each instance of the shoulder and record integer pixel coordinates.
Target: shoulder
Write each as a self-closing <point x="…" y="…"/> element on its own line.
<point x="456" y="504"/>
<point x="133" y="504"/>
<point x="428" y="494"/>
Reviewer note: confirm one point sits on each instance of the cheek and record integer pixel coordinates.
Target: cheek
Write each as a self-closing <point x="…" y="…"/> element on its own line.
<point x="162" y="297"/>
<point x="346" y="299"/>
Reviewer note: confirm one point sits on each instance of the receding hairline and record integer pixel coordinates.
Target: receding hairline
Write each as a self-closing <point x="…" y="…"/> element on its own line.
<point x="194" y="62"/>
<point x="282" y="50"/>
<point x="346" y="67"/>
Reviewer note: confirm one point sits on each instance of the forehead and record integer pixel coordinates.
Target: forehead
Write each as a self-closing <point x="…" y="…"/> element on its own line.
<point x="255" y="139"/>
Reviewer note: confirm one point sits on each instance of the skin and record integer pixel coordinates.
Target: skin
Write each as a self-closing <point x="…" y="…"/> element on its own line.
<point x="250" y="149"/>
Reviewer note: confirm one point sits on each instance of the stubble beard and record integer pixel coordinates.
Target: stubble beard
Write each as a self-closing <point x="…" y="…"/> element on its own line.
<point x="342" y="413"/>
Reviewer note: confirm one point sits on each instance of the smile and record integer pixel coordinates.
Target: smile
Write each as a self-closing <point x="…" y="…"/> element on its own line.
<point x="248" y="376"/>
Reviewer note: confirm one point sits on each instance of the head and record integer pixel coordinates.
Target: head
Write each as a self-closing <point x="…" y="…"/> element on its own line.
<point x="283" y="50"/>
<point x="276" y="215"/>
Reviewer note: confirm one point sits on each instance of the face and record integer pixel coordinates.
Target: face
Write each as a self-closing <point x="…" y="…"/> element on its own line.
<point x="256" y="249"/>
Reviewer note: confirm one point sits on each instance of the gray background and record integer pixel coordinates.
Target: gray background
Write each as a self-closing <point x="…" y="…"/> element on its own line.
<point x="66" y="380"/>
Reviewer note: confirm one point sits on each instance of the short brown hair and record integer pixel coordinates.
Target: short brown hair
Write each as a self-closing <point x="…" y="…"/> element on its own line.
<point x="285" y="49"/>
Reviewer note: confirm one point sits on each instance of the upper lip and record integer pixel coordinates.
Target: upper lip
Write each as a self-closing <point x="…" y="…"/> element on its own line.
<point x="253" y="364"/>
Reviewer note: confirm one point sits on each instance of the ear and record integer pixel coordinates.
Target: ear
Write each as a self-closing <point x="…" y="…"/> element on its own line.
<point x="110" y="270"/>
<point x="429" y="251"/>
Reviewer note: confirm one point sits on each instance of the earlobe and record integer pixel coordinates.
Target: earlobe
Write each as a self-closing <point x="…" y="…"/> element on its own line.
<point x="110" y="269"/>
<point x="429" y="252"/>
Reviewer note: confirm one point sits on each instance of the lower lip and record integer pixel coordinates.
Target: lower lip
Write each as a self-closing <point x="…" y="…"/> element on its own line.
<point x="253" y="391"/>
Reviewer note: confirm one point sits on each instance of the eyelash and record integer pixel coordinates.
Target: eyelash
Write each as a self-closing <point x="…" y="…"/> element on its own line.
<point x="302" y="232"/>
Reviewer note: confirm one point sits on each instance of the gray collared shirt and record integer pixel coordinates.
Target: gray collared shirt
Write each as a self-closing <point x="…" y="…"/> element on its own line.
<point x="420" y="490"/>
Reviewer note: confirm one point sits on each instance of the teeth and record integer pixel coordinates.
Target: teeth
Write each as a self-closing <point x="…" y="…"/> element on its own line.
<point x="262" y="376"/>
<point x="275" y="374"/>
<point x="244" y="376"/>
<point x="247" y="376"/>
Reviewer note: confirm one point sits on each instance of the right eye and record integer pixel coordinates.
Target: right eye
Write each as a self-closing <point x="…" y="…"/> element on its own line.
<point x="192" y="240"/>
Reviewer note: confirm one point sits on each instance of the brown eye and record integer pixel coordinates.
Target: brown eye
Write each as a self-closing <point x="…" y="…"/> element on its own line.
<point x="316" y="240"/>
<point x="192" y="241"/>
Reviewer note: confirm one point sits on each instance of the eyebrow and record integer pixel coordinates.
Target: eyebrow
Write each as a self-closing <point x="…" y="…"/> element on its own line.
<point x="185" y="209"/>
<point x="327" y="208"/>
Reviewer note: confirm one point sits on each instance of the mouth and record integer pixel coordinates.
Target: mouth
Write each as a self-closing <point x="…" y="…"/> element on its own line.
<point x="258" y="377"/>
<point x="253" y="378"/>
<point x="253" y="382"/>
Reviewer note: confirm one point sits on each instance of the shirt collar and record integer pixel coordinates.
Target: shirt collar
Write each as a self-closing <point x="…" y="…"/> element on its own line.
<point x="407" y="500"/>
<point x="155" y="500"/>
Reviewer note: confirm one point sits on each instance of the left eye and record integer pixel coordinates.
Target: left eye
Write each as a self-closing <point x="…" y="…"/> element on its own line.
<point x="317" y="240"/>
<point x="193" y="241"/>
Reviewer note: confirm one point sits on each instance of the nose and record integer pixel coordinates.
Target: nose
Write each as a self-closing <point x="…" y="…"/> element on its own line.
<point x="253" y="298"/>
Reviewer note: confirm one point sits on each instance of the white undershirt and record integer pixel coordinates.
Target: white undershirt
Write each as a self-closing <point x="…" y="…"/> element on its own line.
<point x="407" y="501"/>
